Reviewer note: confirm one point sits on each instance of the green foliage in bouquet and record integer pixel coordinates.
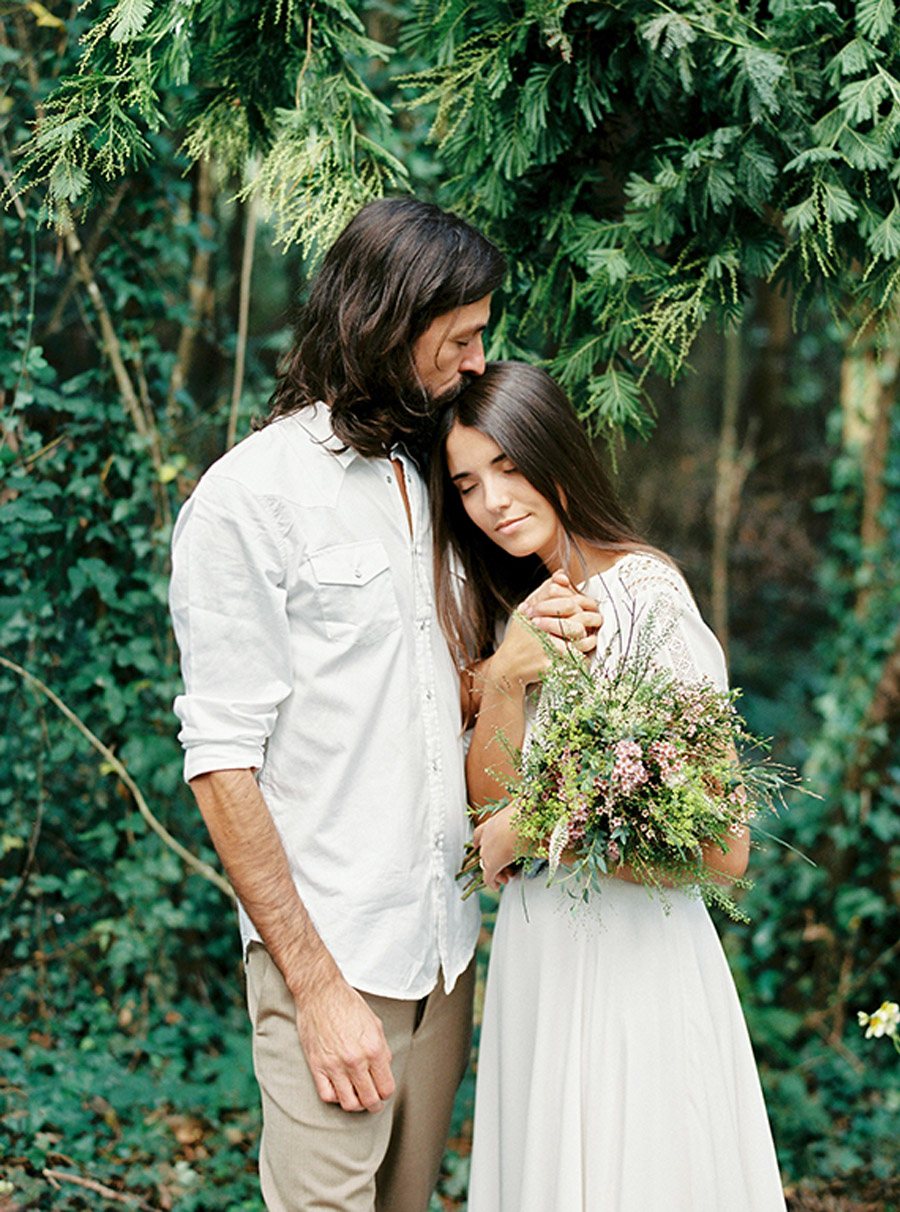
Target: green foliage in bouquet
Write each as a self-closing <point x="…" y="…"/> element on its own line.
<point x="635" y="768"/>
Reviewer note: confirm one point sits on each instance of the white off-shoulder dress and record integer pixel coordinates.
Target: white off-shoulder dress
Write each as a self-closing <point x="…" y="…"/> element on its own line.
<point x="615" y="1072"/>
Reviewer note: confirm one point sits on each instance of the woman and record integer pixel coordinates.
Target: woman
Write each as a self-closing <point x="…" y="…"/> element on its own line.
<point x="615" y="1070"/>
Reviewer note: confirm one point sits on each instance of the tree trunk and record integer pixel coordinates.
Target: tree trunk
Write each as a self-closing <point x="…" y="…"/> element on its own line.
<point x="198" y="288"/>
<point x="732" y="465"/>
<point x="868" y="388"/>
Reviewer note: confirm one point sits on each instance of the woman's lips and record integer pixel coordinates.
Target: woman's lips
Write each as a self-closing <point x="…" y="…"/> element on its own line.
<point x="511" y="522"/>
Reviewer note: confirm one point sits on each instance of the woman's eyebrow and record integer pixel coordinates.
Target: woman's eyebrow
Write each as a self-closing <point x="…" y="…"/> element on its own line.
<point x="461" y="475"/>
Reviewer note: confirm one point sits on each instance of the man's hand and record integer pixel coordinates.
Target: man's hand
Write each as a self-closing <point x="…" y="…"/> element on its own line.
<point x="345" y="1047"/>
<point x="557" y="608"/>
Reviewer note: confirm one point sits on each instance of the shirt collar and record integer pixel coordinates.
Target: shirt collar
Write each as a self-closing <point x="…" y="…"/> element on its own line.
<point x="317" y="423"/>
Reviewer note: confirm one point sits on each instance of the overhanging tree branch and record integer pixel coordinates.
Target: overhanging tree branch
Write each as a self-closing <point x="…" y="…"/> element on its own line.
<point x="105" y="752"/>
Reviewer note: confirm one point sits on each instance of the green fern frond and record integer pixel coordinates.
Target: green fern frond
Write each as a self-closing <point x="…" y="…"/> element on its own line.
<point x="668" y="33"/>
<point x="128" y="19"/>
<point x="875" y="18"/>
<point x="616" y="402"/>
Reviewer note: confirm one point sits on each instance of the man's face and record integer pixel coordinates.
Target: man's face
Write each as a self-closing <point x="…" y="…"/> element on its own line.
<point x="450" y="348"/>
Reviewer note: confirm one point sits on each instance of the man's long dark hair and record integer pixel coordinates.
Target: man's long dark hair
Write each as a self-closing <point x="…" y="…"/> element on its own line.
<point x="398" y="265"/>
<point x="530" y="418"/>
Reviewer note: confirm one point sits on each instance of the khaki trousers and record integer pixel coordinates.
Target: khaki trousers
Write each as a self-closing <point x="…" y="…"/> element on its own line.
<point x="315" y="1156"/>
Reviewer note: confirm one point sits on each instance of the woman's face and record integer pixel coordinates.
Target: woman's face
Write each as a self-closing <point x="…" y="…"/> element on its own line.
<point x="498" y="498"/>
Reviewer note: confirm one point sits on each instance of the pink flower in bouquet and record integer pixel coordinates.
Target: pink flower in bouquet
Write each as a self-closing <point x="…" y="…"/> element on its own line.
<point x="629" y="771"/>
<point x="579" y="819"/>
<point x="666" y="757"/>
<point x="694" y="712"/>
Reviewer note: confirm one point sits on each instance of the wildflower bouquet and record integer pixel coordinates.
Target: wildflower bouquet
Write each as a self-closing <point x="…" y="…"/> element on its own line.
<point x="635" y="768"/>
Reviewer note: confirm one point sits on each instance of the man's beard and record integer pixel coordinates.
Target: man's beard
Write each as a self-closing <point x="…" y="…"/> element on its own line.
<point x="423" y="410"/>
<point x="418" y="402"/>
<point x="439" y="402"/>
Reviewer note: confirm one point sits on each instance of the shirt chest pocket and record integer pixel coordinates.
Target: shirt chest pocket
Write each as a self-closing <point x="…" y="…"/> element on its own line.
<point x="355" y="591"/>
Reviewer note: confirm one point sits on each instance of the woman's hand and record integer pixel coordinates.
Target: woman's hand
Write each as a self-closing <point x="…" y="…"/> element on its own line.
<point x="521" y="658"/>
<point x="560" y="610"/>
<point x="568" y="618"/>
<point x="498" y="843"/>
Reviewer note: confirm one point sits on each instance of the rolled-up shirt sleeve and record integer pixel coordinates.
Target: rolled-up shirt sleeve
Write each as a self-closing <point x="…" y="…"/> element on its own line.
<point x="228" y="604"/>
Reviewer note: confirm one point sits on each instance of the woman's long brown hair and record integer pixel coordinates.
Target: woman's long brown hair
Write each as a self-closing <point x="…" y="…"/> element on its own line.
<point x="530" y="418"/>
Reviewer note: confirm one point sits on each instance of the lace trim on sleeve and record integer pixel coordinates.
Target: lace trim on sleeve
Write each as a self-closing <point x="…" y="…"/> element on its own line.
<point x="660" y="598"/>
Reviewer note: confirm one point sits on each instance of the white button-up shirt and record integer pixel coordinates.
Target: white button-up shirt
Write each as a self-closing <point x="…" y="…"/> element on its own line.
<point x="310" y="649"/>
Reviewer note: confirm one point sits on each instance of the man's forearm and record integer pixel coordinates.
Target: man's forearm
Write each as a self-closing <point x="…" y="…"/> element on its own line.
<point x="247" y="842"/>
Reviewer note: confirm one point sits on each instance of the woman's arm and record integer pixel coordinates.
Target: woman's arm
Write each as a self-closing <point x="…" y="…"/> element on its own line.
<point x="500" y="845"/>
<point x="559" y="610"/>
<point x="497" y="686"/>
<point x="500" y="686"/>
<point x="730" y="864"/>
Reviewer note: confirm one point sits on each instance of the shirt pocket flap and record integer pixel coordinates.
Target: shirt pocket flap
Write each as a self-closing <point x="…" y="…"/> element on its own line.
<point x="349" y="564"/>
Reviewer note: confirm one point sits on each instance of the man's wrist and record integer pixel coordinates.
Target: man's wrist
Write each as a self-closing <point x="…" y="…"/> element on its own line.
<point x="312" y="981"/>
<point x="308" y="973"/>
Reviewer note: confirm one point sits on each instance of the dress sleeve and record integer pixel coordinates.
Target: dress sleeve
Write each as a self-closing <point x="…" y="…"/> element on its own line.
<point x="228" y="603"/>
<point x="668" y="626"/>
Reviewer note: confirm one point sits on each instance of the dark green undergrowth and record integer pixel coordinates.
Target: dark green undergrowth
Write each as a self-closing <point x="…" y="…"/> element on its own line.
<point x="165" y="1111"/>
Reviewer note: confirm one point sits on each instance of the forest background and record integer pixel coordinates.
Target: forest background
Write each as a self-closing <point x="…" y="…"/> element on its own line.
<point x="700" y="206"/>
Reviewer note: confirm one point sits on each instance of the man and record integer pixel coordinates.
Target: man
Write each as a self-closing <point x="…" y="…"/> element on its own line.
<point x="321" y="718"/>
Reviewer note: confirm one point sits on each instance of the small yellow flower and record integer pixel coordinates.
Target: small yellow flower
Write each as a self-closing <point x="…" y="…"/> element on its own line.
<point x="884" y="1021"/>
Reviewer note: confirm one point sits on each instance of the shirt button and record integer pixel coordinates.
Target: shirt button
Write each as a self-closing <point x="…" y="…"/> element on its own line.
<point x="389" y="479"/>
<point x="357" y="573"/>
<point x="428" y="695"/>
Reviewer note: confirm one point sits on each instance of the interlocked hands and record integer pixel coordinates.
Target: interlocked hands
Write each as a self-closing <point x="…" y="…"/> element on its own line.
<point x="565" y="614"/>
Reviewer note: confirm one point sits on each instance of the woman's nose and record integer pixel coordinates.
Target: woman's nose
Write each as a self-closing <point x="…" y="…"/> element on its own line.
<point x="496" y="494"/>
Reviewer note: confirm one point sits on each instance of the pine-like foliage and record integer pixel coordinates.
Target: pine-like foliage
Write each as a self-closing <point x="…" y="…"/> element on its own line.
<point x="641" y="162"/>
<point x="644" y="162"/>
<point x="272" y="90"/>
